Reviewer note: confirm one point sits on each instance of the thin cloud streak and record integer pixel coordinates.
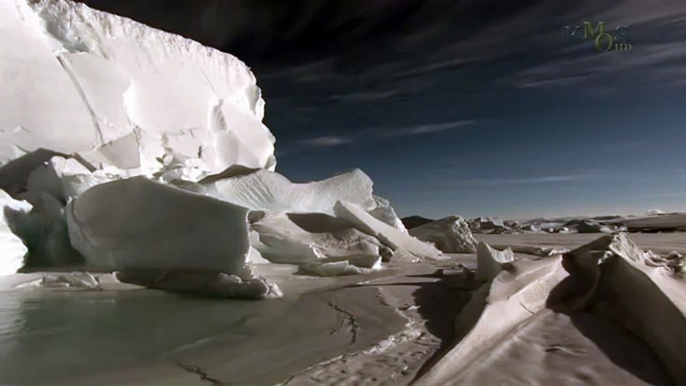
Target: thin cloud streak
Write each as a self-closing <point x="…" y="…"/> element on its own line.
<point x="551" y="179"/>
<point x="385" y="133"/>
<point x="425" y="129"/>
<point x="326" y="141"/>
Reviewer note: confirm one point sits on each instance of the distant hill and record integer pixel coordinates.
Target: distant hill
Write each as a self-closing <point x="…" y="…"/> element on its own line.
<point x="415" y="221"/>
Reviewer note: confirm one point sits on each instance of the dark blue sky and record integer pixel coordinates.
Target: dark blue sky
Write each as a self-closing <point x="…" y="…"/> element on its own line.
<point x="460" y="107"/>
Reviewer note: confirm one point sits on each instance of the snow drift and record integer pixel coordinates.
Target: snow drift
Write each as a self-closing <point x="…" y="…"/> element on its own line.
<point x="610" y="278"/>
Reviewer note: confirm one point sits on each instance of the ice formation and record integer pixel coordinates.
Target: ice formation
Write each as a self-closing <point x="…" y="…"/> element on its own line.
<point x="384" y="211"/>
<point x="282" y="238"/>
<point x="139" y="223"/>
<point x="146" y="154"/>
<point x="126" y="94"/>
<point x="489" y="261"/>
<point x="450" y="235"/>
<point x="12" y="248"/>
<point x="390" y="236"/>
<point x="339" y="268"/>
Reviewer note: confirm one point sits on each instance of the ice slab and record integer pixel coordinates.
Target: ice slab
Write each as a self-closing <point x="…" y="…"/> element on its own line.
<point x="269" y="191"/>
<point x="139" y="223"/>
<point x="12" y="248"/>
<point x="121" y="93"/>
<point x="392" y="237"/>
<point x="450" y="235"/>
<point x="383" y="211"/>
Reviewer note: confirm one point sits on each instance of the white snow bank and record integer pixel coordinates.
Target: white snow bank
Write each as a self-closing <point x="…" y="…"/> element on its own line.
<point x="12" y="248"/>
<point x="270" y="191"/>
<point x="450" y="235"/>
<point x="76" y="80"/>
<point x="489" y="262"/>
<point x="138" y="223"/>
<point x="282" y="238"/>
<point x="392" y="237"/>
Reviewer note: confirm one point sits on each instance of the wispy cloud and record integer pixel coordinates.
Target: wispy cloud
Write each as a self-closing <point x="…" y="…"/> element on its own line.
<point x="326" y="141"/>
<point x="378" y="134"/>
<point x="533" y="180"/>
<point x="424" y="129"/>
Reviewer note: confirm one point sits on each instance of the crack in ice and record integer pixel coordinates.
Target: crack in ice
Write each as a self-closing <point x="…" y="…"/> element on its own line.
<point x="200" y="373"/>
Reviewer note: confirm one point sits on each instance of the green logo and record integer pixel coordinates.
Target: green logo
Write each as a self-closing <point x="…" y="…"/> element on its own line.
<point x="618" y="40"/>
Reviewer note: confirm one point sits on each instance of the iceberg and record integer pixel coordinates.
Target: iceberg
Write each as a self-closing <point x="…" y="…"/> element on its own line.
<point x="137" y="223"/>
<point x="12" y="248"/>
<point x="450" y="235"/>
<point x="127" y="94"/>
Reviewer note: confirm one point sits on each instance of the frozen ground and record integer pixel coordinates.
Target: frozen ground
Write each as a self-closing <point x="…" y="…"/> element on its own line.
<point x="382" y="328"/>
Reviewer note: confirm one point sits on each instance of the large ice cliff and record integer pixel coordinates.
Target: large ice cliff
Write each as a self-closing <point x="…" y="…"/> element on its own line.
<point x="76" y="80"/>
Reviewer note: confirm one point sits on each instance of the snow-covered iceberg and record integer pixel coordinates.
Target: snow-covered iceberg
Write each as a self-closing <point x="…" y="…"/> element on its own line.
<point x="117" y="92"/>
<point x="450" y="235"/>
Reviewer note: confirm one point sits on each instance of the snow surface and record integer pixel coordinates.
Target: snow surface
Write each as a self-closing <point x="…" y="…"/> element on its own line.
<point x="125" y="93"/>
<point x="12" y="248"/>
<point x="139" y="223"/>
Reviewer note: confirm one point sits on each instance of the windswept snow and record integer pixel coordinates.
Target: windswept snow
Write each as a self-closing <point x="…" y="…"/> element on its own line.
<point x="125" y="93"/>
<point x="270" y="191"/>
